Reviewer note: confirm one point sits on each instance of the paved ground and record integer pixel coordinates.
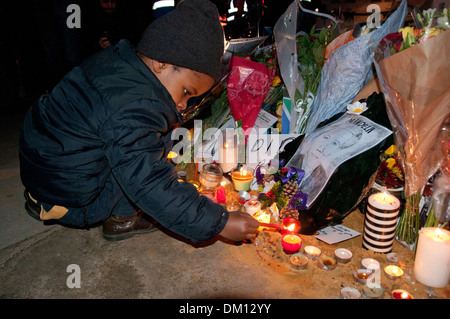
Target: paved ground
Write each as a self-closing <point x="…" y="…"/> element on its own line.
<point x="40" y="261"/>
<point x="36" y="260"/>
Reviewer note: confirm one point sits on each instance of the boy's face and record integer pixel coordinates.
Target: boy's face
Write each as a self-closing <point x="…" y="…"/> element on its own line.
<point x="183" y="83"/>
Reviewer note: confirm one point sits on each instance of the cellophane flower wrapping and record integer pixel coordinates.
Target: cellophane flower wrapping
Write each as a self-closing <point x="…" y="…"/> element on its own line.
<point x="348" y="69"/>
<point x="417" y="91"/>
<point x="247" y="86"/>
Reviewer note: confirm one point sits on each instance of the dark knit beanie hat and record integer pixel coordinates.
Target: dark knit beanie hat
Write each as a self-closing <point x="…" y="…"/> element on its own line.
<point x="190" y="36"/>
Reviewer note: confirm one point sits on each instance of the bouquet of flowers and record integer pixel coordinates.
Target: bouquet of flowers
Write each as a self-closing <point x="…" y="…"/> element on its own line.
<point x="411" y="65"/>
<point x="301" y="58"/>
<point x="390" y="173"/>
<point x="283" y="188"/>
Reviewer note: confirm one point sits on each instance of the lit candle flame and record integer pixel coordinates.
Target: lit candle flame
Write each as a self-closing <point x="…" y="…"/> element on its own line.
<point x="404" y="295"/>
<point x="291" y="227"/>
<point x="438" y="233"/>
<point x="223" y="184"/>
<point x="172" y="155"/>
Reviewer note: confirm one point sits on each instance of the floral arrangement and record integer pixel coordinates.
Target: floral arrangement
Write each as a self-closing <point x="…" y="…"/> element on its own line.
<point x="282" y="188"/>
<point x="390" y="173"/>
<point x="311" y="58"/>
<point x="428" y="25"/>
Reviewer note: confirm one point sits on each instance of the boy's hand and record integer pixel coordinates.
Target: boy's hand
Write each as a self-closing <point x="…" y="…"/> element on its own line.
<point x="240" y="226"/>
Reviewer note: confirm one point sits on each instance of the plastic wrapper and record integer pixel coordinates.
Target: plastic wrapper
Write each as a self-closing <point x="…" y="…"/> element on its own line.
<point x="352" y="180"/>
<point x="285" y="31"/>
<point x="417" y="90"/>
<point x="348" y="69"/>
<point x="247" y="86"/>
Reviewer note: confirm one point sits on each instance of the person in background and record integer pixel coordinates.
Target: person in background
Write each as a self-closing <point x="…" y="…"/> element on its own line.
<point x="94" y="150"/>
<point x="108" y="21"/>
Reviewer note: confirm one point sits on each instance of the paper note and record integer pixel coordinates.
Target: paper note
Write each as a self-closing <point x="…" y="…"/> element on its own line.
<point x="336" y="234"/>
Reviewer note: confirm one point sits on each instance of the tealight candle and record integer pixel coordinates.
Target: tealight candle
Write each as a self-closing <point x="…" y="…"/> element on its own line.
<point x="370" y="264"/>
<point x="393" y="272"/>
<point x="291" y="243"/>
<point x="392" y="258"/>
<point x="432" y="263"/>
<point x="298" y="261"/>
<point x="343" y="255"/>
<point x="312" y="252"/>
<point x="291" y="225"/>
<point x="242" y="178"/>
<point x="350" y="293"/>
<point x="401" y="294"/>
<point x="361" y="275"/>
<point x="375" y="292"/>
<point x="328" y="263"/>
<point x="252" y="207"/>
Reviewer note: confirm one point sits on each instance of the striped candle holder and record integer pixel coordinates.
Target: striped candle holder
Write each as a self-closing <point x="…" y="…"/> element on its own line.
<point x="380" y="222"/>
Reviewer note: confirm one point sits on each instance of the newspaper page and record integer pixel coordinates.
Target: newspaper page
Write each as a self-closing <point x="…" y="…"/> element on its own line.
<point x="323" y="150"/>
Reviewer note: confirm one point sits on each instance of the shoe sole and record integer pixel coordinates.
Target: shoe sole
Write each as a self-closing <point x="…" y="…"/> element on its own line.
<point x="128" y="235"/>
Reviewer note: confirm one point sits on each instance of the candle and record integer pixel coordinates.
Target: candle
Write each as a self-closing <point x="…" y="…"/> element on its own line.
<point x="328" y="263"/>
<point x="384" y="201"/>
<point x="252" y="207"/>
<point x="291" y="225"/>
<point x="393" y="272"/>
<point x="242" y="178"/>
<point x="228" y="155"/>
<point x="375" y="292"/>
<point x="343" y="255"/>
<point x="361" y="275"/>
<point x="291" y="243"/>
<point x="312" y="252"/>
<point x="298" y="261"/>
<point x="210" y="176"/>
<point x="380" y="222"/>
<point x="392" y="258"/>
<point x="432" y="263"/>
<point x="370" y="264"/>
<point x="350" y="293"/>
<point x="401" y="294"/>
<point x="220" y="193"/>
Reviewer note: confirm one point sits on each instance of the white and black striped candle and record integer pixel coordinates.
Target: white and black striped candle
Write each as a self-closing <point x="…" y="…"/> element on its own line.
<point x="380" y="222"/>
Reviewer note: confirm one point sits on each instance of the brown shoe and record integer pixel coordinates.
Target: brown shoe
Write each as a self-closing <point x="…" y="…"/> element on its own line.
<point x="117" y="227"/>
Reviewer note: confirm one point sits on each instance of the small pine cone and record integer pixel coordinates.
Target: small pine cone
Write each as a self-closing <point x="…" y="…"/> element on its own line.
<point x="290" y="189"/>
<point x="288" y="212"/>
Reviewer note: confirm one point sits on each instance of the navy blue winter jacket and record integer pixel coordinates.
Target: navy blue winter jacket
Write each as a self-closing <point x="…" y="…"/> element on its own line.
<point x="111" y="115"/>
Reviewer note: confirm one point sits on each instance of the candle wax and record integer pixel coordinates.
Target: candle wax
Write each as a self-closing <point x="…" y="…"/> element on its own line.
<point x="292" y="239"/>
<point x="384" y="201"/>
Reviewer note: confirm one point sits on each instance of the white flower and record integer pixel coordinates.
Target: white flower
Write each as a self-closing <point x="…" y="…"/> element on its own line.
<point x="356" y="108"/>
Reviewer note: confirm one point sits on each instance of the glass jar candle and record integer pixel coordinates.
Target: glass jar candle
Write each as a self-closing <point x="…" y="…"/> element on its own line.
<point x="210" y="176"/>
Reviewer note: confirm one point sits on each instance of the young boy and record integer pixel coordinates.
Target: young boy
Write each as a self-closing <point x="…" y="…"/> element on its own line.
<point x="95" y="149"/>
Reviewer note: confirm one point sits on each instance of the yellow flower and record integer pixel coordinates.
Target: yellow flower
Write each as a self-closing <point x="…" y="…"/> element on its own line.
<point x="430" y="32"/>
<point x="390" y="162"/>
<point x="276" y="81"/>
<point x="391" y="150"/>
<point x="405" y="31"/>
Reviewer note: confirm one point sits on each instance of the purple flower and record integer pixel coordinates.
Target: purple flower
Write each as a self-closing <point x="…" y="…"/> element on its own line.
<point x="259" y="176"/>
<point x="298" y="201"/>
